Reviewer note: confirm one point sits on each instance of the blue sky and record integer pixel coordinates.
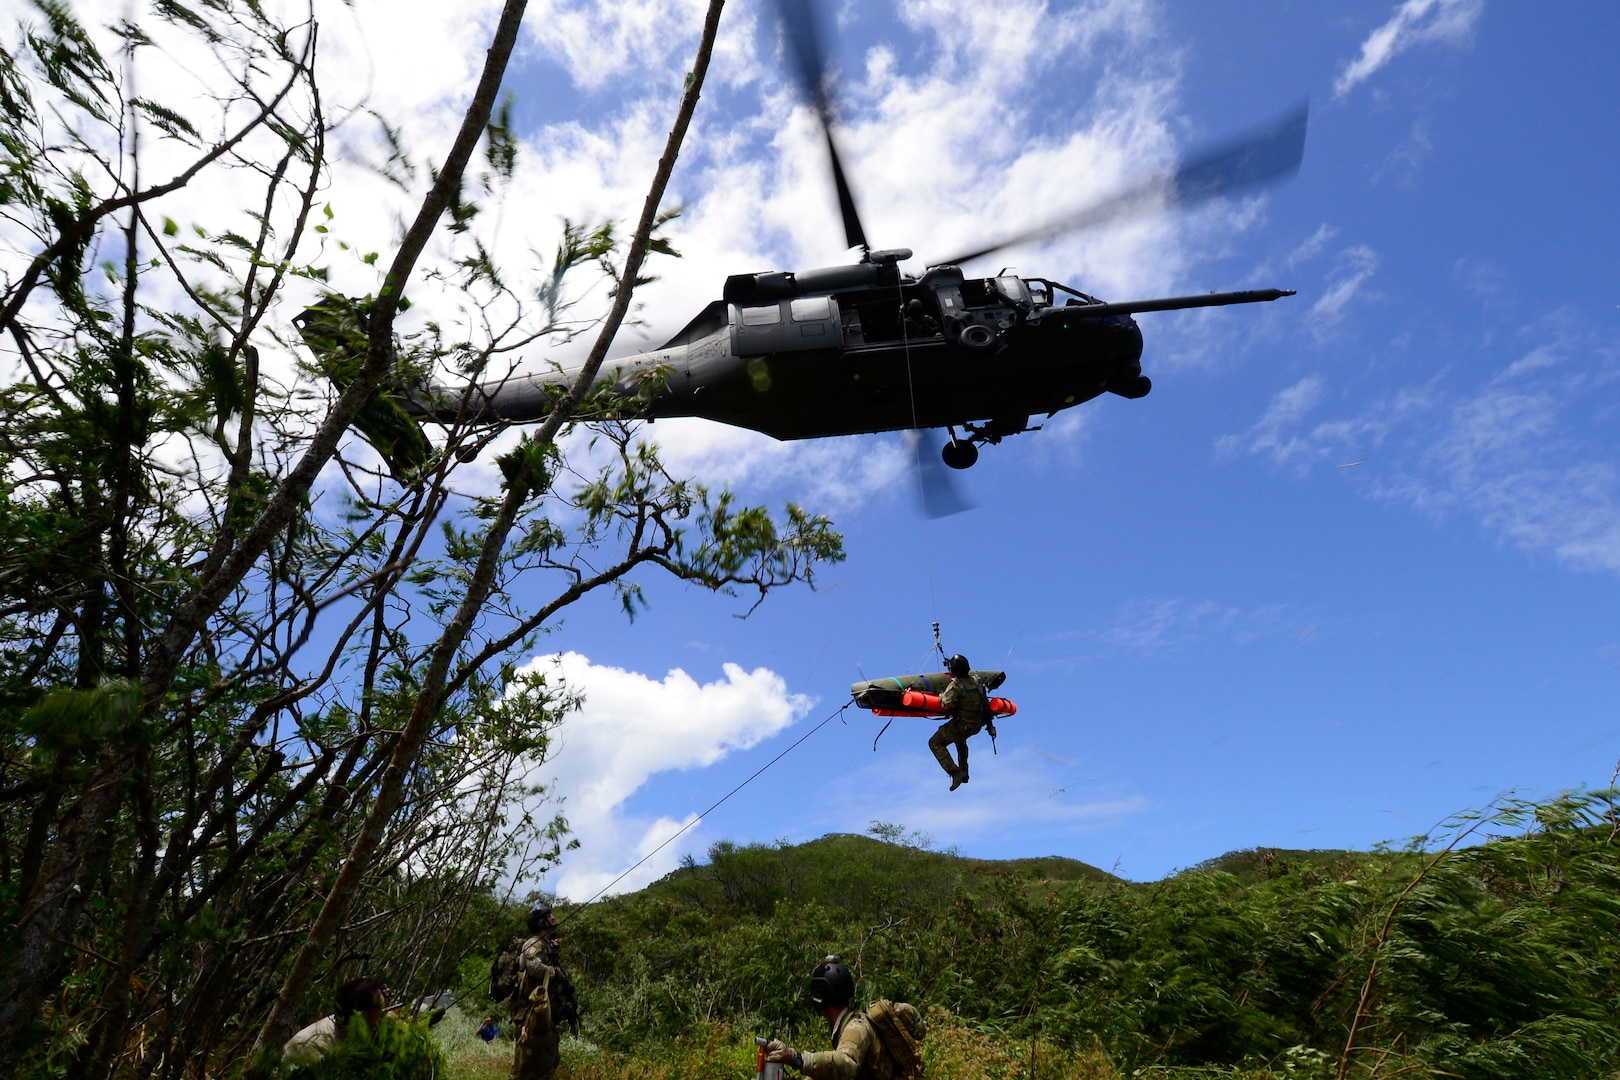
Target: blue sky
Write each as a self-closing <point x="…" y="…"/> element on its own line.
<point x="1350" y="568"/>
<point x="1219" y="632"/>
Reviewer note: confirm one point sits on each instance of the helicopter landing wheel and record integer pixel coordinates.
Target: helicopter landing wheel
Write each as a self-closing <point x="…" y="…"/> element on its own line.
<point x="959" y="454"/>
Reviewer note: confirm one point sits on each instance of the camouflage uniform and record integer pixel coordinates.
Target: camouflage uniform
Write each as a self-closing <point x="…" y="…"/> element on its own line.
<point x="968" y="704"/>
<point x="532" y="968"/>
<point x="857" y="1053"/>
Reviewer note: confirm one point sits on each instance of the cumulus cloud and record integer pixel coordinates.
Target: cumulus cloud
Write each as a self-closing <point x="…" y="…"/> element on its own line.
<point x="983" y="122"/>
<point x="1415" y="22"/>
<point x="630" y="728"/>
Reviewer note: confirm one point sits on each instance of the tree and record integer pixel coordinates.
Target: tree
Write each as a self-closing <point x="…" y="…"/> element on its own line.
<point x="256" y="651"/>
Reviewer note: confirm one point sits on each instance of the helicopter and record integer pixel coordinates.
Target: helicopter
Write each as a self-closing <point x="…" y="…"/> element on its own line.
<point x="866" y="348"/>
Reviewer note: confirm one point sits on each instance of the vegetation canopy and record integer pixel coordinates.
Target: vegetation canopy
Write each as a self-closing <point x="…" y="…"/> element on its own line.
<point x="1495" y="960"/>
<point x="261" y="724"/>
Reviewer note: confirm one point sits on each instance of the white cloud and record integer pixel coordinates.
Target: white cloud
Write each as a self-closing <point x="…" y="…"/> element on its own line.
<point x="951" y="137"/>
<point x="1312" y="246"/>
<point x="602" y="40"/>
<point x="1152" y="626"/>
<point x="1526" y="452"/>
<point x="1507" y="458"/>
<point x="1414" y="22"/>
<point x="1273" y="433"/>
<point x="630" y="728"/>
<point x="1351" y="270"/>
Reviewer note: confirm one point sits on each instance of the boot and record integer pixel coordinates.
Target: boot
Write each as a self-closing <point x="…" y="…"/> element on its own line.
<point x="964" y="774"/>
<point x="958" y="778"/>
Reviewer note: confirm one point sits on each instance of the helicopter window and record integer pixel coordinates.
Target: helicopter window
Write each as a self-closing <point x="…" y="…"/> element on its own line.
<point x="1040" y="292"/>
<point x="1013" y="289"/>
<point x="811" y="308"/>
<point x="761" y="316"/>
<point x="977" y="293"/>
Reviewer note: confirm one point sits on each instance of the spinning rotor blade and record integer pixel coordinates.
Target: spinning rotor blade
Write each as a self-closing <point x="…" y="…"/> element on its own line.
<point x="938" y="493"/>
<point x="1264" y="157"/>
<point x="810" y="65"/>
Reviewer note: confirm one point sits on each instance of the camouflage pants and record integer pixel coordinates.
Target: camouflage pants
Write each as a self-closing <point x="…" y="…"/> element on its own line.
<point x="955" y="731"/>
<point x="536" y="1056"/>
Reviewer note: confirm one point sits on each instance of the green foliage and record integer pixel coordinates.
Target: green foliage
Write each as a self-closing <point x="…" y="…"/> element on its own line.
<point x="256" y="692"/>
<point x="1500" y="960"/>
<point x="334" y="329"/>
<point x="398" y="1051"/>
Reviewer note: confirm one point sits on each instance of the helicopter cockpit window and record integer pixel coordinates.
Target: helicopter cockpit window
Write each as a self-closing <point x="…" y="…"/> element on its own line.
<point x="811" y="308"/>
<point x="761" y="316"/>
<point x="1040" y="292"/>
<point x="1013" y="288"/>
<point x="976" y="293"/>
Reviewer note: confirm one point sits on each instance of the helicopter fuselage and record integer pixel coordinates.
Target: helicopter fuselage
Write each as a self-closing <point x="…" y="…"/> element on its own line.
<point x="858" y="349"/>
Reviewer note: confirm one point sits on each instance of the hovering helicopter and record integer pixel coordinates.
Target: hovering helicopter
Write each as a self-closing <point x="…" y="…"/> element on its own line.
<point x="866" y="347"/>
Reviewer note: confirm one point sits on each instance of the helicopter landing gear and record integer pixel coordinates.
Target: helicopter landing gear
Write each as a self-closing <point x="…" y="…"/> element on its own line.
<point x="959" y="453"/>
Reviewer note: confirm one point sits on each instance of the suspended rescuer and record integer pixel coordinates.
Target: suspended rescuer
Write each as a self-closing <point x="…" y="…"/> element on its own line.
<point x="968" y="704"/>
<point x="529" y="972"/>
<point x="884" y="1043"/>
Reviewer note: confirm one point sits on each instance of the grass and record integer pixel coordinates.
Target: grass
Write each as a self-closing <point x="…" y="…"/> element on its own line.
<point x="470" y="1057"/>
<point x="954" y="1050"/>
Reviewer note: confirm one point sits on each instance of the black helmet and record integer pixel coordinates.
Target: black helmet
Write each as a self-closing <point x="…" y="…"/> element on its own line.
<point x="831" y="983"/>
<point x="959" y="665"/>
<point x="539" y="919"/>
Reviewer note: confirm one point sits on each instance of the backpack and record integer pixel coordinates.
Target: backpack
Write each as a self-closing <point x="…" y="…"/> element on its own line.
<point x="503" y="973"/>
<point x="900" y="1029"/>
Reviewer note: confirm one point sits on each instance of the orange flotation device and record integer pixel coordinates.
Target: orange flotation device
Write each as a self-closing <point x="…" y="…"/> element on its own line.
<point x="922" y="703"/>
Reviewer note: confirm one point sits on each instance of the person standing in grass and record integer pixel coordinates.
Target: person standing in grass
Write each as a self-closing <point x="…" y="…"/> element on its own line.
<point x="529" y="972"/>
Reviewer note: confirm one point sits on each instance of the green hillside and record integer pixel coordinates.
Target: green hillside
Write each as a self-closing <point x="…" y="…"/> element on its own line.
<point x="1500" y="959"/>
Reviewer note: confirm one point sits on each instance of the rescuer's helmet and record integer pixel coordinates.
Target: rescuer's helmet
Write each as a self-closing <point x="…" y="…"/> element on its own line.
<point x="959" y="665"/>
<point x="831" y="984"/>
<point x="540" y="919"/>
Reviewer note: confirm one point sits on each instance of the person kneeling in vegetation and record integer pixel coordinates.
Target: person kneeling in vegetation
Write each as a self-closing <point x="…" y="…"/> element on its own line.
<point x="363" y="997"/>
<point x="882" y="1046"/>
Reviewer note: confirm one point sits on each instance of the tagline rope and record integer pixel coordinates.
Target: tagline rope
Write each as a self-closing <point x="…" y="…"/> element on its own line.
<point x="839" y="712"/>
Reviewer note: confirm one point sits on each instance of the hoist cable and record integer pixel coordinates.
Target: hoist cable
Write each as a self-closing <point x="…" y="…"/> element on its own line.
<point x="839" y="712"/>
<point x="916" y="448"/>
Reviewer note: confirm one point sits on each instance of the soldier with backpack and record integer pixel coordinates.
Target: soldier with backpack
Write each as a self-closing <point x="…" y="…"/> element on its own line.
<point x="968" y="703"/>
<point x="883" y="1043"/>
<point x="529" y="972"/>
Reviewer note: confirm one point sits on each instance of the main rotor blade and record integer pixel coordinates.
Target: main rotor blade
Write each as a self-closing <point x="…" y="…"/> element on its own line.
<point x="810" y="66"/>
<point x="938" y="494"/>
<point x="1267" y="156"/>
